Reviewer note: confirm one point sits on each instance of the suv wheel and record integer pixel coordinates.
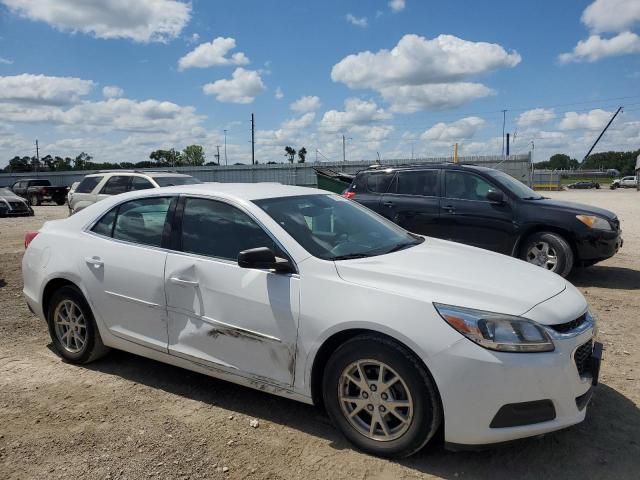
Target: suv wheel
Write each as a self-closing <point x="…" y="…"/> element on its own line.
<point x="72" y="327"/>
<point x="550" y="251"/>
<point x="380" y="397"/>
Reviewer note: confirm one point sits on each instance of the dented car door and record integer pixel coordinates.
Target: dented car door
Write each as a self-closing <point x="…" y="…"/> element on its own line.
<point x="244" y="321"/>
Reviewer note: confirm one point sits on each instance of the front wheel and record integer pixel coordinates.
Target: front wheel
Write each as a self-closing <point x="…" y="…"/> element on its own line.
<point x="381" y="397"/>
<point x="72" y="327"/>
<point x="550" y="251"/>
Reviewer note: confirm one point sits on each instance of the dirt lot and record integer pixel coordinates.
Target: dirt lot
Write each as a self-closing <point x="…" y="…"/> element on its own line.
<point x="127" y="417"/>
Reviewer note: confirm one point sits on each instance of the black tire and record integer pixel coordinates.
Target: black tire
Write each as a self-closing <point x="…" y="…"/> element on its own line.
<point x="60" y="201"/>
<point x="34" y="200"/>
<point x="93" y="348"/>
<point x="426" y="416"/>
<point x="597" y="186"/>
<point x="556" y="244"/>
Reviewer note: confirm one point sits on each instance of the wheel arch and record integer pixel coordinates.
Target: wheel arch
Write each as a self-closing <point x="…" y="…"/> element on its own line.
<point x="52" y="286"/>
<point x="566" y="234"/>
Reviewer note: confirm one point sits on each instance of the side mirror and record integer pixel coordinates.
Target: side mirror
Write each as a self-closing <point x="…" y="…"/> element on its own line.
<point x="263" y="258"/>
<point x="495" y="197"/>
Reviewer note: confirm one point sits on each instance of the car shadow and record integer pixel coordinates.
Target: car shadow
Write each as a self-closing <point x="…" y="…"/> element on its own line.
<point x="605" y="445"/>
<point x="3" y="283"/>
<point x="601" y="276"/>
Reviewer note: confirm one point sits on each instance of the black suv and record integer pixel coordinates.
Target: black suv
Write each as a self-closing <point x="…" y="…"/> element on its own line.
<point x="489" y="209"/>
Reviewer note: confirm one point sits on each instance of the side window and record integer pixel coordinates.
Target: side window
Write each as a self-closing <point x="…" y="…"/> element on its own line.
<point x="105" y="224"/>
<point x="417" y="182"/>
<point x="115" y="185"/>
<point x="216" y="229"/>
<point x="88" y="184"/>
<point x="142" y="221"/>
<point x="379" y="182"/>
<point x="140" y="183"/>
<point x="466" y="186"/>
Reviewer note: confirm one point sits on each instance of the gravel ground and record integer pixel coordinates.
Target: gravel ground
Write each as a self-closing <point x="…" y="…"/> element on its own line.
<point x="128" y="417"/>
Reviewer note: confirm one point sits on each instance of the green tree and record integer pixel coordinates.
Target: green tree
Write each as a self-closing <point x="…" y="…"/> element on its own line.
<point x="170" y="157"/>
<point x="82" y="161"/>
<point x="193" y="155"/>
<point x="290" y="153"/>
<point x="302" y="155"/>
<point x="17" y="164"/>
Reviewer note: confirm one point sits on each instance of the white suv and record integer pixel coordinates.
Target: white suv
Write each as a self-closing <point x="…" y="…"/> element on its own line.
<point x="98" y="186"/>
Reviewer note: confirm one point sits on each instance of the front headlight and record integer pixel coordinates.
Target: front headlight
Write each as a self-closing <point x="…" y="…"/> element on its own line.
<point x="496" y="331"/>
<point x="592" y="221"/>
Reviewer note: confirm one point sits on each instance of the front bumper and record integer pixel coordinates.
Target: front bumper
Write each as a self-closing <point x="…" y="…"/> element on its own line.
<point x="475" y="383"/>
<point x="599" y="245"/>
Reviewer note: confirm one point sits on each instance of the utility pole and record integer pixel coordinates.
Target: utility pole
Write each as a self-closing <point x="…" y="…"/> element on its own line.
<point x="507" y="144"/>
<point x="504" y="120"/>
<point x="37" y="156"/>
<point x="253" y="140"/>
<point x="225" y="149"/>
<point x="411" y="151"/>
<point x="217" y="155"/>
<point x="344" y="151"/>
<point x="455" y="153"/>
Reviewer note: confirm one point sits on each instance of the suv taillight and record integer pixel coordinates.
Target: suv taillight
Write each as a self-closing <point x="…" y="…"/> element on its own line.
<point x="349" y="194"/>
<point x="29" y="236"/>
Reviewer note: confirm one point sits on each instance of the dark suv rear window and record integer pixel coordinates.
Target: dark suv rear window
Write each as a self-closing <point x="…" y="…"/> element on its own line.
<point x="88" y="184"/>
<point x="379" y="182"/>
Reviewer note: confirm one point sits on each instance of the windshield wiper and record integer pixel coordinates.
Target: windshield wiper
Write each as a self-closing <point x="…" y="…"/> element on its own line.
<point x="401" y="246"/>
<point x="350" y="256"/>
<point x="532" y="198"/>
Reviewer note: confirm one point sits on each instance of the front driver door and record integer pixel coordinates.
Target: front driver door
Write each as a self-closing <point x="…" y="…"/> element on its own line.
<point x="244" y="321"/>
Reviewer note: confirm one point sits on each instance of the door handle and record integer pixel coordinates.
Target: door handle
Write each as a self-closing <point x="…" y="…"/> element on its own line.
<point x="387" y="204"/>
<point x="449" y="209"/>
<point x="94" y="261"/>
<point x="183" y="282"/>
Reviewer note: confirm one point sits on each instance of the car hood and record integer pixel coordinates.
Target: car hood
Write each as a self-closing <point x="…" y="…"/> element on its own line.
<point x="578" y="208"/>
<point x="451" y="273"/>
<point x="12" y="198"/>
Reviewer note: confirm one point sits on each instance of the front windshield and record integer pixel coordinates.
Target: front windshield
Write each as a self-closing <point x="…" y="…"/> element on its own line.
<point x="515" y="186"/>
<point x="334" y="228"/>
<point x="171" y="181"/>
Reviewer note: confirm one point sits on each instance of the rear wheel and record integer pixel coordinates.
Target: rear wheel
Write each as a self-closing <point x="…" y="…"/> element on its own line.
<point x="381" y="397"/>
<point x="550" y="251"/>
<point x="72" y="327"/>
<point x="60" y="201"/>
<point x="34" y="200"/>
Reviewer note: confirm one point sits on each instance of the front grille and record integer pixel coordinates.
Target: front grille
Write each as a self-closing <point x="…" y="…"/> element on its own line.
<point x="616" y="224"/>
<point x="18" y="206"/>
<point x="582" y="357"/>
<point x="572" y="325"/>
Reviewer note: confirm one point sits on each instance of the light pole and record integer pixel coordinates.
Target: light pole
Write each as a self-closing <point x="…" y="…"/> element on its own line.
<point x="225" y="148"/>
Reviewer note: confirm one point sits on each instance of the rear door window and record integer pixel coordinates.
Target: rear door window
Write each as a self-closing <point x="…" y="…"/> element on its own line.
<point x="379" y="182"/>
<point x="88" y="184"/>
<point x="423" y="183"/>
<point x="116" y="185"/>
<point x="142" y="221"/>
<point x="140" y="183"/>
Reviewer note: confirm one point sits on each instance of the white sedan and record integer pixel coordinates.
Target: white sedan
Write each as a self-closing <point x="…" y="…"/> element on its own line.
<point x="310" y="296"/>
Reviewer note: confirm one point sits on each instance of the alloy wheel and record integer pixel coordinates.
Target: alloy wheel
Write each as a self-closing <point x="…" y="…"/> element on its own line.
<point x="543" y="255"/>
<point x="375" y="400"/>
<point x="70" y="326"/>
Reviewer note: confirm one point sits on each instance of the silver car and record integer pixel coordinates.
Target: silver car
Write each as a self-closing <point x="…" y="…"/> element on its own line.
<point x="12" y="205"/>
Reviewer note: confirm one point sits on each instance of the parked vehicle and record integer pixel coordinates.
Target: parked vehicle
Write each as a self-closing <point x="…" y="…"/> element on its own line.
<point x="37" y="191"/>
<point x="584" y="185"/>
<point x="72" y="190"/>
<point x="489" y="209"/>
<point x="313" y="297"/>
<point x="98" y="186"/>
<point x="625" y="182"/>
<point x="11" y="205"/>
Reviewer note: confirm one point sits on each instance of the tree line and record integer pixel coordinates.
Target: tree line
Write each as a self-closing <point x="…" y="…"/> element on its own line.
<point x="624" y="162"/>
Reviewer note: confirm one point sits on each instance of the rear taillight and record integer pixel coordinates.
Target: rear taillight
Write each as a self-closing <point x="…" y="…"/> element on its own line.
<point x="349" y="194"/>
<point x="29" y="236"/>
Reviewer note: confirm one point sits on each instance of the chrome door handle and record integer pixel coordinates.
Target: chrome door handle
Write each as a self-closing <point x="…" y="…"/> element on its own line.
<point x="94" y="261"/>
<point x="183" y="282"/>
<point x="449" y="209"/>
<point x="387" y="204"/>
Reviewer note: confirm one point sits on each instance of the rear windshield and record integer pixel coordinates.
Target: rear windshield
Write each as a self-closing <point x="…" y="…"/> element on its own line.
<point x="170" y="181"/>
<point x="39" y="183"/>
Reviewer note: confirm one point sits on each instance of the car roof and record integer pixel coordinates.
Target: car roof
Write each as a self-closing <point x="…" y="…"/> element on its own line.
<point x="129" y="172"/>
<point x="420" y="166"/>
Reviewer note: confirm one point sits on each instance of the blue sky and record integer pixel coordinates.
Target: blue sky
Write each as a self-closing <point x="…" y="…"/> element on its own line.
<point x="392" y="76"/>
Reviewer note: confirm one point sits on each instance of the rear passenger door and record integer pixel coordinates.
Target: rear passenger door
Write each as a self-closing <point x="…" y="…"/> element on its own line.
<point x="114" y="186"/>
<point x="370" y="187"/>
<point x="413" y="201"/>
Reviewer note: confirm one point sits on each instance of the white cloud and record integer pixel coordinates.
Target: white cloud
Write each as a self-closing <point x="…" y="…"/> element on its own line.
<point x="421" y="73"/>
<point x="357" y="112"/>
<point x="357" y="21"/>
<point x="112" y="91"/>
<point x="536" y="116"/>
<point x="142" y="21"/>
<point x="595" y="48"/>
<point x="611" y="15"/>
<point x="593" y="120"/>
<point x="279" y="94"/>
<point x="306" y="104"/>
<point x="437" y="96"/>
<point x="6" y="61"/>
<point x="41" y="89"/>
<point x="299" y="123"/>
<point x="212" y="54"/>
<point x="243" y="87"/>
<point x="397" y="5"/>
<point x="462" y="129"/>
<point x="194" y="38"/>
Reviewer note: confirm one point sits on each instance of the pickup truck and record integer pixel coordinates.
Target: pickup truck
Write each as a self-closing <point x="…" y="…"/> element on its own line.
<point x="625" y="182"/>
<point x="37" y="191"/>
